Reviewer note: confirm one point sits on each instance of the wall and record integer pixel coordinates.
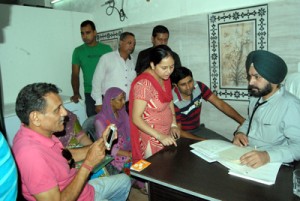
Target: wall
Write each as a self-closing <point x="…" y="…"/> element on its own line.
<point x="36" y="46"/>
<point x="142" y="11"/>
<point x="43" y="47"/>
<point x="189" y="38"/>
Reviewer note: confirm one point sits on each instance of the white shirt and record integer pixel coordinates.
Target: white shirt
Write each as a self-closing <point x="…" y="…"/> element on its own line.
<point x="112" y="71"/>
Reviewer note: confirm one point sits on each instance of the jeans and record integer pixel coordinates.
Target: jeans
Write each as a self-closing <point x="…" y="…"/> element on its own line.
<point x="89" y="105"/>
<point x="113" y="188"/>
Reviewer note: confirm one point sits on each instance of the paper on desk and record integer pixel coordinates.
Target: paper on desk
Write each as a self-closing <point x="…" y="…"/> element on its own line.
<point x="265" y="174"/>
<point x="229" y="155"/>
<point x="211" y="146"/>
<point x="234" y="153"/>
<point x="209" y="159"/>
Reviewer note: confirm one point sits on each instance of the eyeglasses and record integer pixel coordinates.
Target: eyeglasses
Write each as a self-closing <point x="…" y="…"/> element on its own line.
<point x="68" y="156"/>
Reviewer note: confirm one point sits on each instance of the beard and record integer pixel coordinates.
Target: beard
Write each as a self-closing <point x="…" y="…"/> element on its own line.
<point x="256" y="92"/>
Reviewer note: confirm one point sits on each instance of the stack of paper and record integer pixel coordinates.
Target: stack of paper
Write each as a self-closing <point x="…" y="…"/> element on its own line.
<point x="229" y="155"/>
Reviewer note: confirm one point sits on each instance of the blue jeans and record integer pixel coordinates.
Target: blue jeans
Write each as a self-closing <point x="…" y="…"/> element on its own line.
<point x="89" y="104"/>
<point x="114" y="188"/>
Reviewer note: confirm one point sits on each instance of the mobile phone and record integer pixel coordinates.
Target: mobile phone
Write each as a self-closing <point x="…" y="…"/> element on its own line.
<point x="111" y="137"/>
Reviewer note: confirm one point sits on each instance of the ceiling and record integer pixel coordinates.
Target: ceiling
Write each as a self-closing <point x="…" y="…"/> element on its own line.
<point x="35" y="3"/>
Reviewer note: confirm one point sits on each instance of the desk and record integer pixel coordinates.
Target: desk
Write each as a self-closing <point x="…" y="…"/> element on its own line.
<point x="176" y="173"/>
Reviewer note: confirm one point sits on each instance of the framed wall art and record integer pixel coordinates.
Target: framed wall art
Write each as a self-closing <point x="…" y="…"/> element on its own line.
<point x="232" y="36"/>
<point x="110" y="38"/>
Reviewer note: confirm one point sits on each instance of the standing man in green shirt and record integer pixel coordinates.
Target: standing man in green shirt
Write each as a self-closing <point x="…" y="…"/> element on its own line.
<point x="86" y="57"/>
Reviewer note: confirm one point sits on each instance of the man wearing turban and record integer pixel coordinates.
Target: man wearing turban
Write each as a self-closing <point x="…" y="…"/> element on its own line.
<point x="273" y="122"/>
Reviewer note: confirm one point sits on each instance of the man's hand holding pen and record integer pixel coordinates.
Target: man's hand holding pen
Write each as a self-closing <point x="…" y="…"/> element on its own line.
<point x="253" y="158"/>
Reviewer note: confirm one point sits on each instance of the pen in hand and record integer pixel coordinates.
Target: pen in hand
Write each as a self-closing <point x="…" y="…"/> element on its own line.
<point x="243" y="144"/>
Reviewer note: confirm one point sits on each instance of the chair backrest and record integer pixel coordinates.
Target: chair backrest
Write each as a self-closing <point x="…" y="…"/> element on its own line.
<point x="292" y="83"/>
<point x="89" y="128"/>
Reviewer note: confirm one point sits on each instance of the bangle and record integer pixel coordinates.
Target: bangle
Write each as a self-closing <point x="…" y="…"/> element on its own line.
<point x="87" y="167"/>
<point x="174" y="125"/>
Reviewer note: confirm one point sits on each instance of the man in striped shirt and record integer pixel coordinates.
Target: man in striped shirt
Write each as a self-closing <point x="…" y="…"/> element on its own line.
<point x="188" y="96"/>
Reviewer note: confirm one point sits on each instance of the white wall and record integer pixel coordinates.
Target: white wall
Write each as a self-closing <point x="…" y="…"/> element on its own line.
<point x="142" y="11"/>
<point x="37" y="46"/>
<point x="44" y="46"/>
<point x="189" y="38"/>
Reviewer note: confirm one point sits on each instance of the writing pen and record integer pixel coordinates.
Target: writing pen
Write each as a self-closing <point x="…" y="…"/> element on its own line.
<point x="243" y="145"/>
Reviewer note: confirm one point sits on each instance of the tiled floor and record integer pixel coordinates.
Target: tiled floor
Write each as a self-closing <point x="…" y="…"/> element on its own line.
<point x="136" y="195"/>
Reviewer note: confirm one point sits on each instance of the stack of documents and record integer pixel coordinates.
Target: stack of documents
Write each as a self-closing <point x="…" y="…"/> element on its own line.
<point x="229" y="155"/>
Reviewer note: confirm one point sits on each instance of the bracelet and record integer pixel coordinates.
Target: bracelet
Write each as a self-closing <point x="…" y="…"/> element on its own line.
<point x="87" y="167"/>
<point x="174" y="125"/>
<point x="235" y="132"/>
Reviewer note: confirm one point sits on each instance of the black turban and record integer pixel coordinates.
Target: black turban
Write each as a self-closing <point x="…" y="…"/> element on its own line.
<point x="268" y="65"/>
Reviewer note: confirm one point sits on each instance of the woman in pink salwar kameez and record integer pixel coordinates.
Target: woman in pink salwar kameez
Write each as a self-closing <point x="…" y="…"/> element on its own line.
<point x="151" y="110"/>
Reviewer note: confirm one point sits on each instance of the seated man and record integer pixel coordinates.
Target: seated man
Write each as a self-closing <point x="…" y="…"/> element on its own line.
<point x="274" y="114"/>
<point x="187" y="98"/>
<point x="45" y="172"/>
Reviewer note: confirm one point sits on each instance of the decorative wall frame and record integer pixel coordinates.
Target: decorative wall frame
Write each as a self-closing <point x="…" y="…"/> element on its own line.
<point x="110" y="38"/>
<point x="232" y="35"/>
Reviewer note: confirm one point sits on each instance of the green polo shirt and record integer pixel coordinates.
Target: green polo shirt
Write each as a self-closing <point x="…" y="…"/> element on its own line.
<point x="87" y="58"/>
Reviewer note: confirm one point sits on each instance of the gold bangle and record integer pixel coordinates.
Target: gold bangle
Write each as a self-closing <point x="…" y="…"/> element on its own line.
<point x="174" y="125"/>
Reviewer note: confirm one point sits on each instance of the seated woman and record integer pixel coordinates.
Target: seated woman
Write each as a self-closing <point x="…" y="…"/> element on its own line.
<point x="113" y="112"/>
<point x="73" y="135"/>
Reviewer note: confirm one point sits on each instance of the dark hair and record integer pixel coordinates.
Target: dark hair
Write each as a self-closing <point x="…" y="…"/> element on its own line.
<point x="32" y="98"/>
<point x="180" y="73"/>
<point x="125" y="34"/>
<point x="88" y="22"/>
<point x="159" y="29"/>
<point x="158" y="53"/>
